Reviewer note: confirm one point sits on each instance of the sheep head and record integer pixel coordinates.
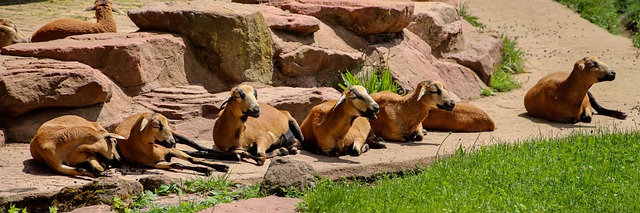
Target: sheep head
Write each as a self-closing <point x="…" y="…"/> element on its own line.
<point x="9" y="34"/>
<point x="110" y="152"/>
<point x="361" y="103"/>
<point x="594" y="70"/>
<point x="156" y="125"/>
<point x="243" y="102"/>
<point x="433" y="94"/>
<point x="103" y="3"/>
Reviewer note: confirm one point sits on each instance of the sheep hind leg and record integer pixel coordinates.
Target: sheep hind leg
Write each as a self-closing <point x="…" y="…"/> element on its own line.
<point x="375" y="142"/>
<point x="603" y="111"/>
<point x="180" y="154"/>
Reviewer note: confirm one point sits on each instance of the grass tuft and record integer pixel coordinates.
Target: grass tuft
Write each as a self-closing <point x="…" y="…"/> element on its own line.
<point x="512" y="62"/>
<point x="375" y="80"/>
<point x="473" y="20"/>
<point x="584" y="172"/>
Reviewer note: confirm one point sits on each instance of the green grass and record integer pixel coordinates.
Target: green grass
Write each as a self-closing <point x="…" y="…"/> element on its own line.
<point x="376" y="80"/>
<point x="473" y="20"/>
<point x="512" y="62"/>
<point x="595" y="172"/>
<point x="611" y="15"/>
<point x="217" y="189"/>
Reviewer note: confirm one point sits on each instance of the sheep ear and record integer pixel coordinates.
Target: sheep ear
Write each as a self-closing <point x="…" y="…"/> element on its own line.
<point x="143" y="124"/>
<point x="340" y="101"/>
<point x="581" y="66"/>
<point x="113" y="135"/>
<point x="423" y="91"/>
<point x="226" y="101"/>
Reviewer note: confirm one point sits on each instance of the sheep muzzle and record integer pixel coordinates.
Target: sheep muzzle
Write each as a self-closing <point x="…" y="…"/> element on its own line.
<point x="608" y="77"/>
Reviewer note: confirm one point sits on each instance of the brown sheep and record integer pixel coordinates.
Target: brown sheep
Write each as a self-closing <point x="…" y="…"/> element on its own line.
<point x="335" y="128"/>
<point x="400" y="117"/>
<point x="144" y="134"/>
<point x="254" y="130"/>
<point x="464" y="118"/>
<point x="565" y="97"/>
<point x="66" y="142"/>
<point x="62" y="28"/>
<point x="9" y="34"/>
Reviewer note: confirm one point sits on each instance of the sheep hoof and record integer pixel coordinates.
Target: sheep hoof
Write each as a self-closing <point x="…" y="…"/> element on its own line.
<point x="619" y="115"/>
<point x="293" y="151"/>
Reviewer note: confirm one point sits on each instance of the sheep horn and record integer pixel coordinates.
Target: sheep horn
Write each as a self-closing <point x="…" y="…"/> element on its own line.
<point x="143" y="124"/>
<point x="342" y="99"/>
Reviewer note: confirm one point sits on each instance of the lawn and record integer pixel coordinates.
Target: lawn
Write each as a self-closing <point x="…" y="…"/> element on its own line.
<point x="595" y="172"/>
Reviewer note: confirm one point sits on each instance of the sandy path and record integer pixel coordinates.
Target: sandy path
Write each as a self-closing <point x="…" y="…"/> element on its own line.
<point x="554" y="38"/>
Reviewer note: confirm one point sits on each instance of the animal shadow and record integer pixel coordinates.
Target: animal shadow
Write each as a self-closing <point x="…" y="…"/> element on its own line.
<point x="554" y="124"/>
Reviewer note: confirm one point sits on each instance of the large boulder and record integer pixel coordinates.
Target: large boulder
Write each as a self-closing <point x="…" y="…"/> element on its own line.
<point x="100" y="191"/>
<point x="30" y="83"/>
<point x="138" y="62"/>
<point x="439" y="25"/>
<point x="481" y="53"/>
<point x="316" y="61"/>
<point x="278" y="19"/>
<point x="460" y="80"/>
<point x="362" y="17"/>
<point x="232" y="39"/>
<point x="284" y="173"/>
<point x="179" y="103"/>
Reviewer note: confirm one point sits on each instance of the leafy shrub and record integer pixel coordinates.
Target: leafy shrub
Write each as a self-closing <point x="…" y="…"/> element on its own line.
<point x="376" y="80"/>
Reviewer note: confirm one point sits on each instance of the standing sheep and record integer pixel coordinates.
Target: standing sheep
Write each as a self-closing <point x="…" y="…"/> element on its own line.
<point x="339" y="127"/>
<point x="9" y="34"/>
<point x="565" y="97"/>
<point x="254" y="130"/>
<point x="400" y="117"/>
<point x="62" y="28"/>
<point x="143" y="144"/>
<point x="69" y="141"/>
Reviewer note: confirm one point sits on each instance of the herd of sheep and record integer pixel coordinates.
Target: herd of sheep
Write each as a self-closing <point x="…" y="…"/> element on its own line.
<point x="246" y="128"/>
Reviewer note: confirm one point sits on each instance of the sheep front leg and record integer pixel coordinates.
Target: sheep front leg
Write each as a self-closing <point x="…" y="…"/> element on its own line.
<point x="169" y="165"/>
<point x="180" y="154"/>
<point x="359" y="147"/>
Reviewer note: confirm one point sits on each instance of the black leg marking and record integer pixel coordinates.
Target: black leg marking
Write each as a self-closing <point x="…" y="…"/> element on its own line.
<point x="603" y="111"/>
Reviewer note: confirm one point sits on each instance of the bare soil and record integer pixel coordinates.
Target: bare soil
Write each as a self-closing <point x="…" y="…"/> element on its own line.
<point x="553" y="36"/>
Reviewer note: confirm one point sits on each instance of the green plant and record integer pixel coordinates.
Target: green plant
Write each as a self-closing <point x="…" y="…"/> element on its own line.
<point x="167" y="189"/>
<point x="376" y="80"/>
<point x="14" y="209"/>
<point x="512" y="62"/>
<point x="473" y="20"/>
<point x="53" y="209"/>
<point x="484" y="92"/>
<point x="636" y="40"/>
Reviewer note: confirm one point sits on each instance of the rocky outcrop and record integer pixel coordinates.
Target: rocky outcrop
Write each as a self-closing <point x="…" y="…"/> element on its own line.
<point x="284" y="173"/>
<point x="151" y="183"/>
<point x="138" y="62"/>
<point x="460" y="80"/>
<point x="481" y="53"/>
<point x="30" y="83"/>
<point x="361" y="17"/>
<point x="100" y="191"/>
<point x="439" y="25"/>
<point x="180" y="103"/>
<point x="297" y="101"/>
<point x="278" y="19"/>
<point x="232" y="39"/>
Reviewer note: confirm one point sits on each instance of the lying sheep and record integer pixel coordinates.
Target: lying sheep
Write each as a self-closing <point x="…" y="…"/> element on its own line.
<point x="254" y="130"/>
<point x="67" y="142"/>
<point x="9" y="34"/>
<point x="144" y="134"/>
<point x="335" y="128"/>
<point x="464" y="118"/>
<point x="62" y="28"/>
<point x="565" y="97"/>
<point x="400" y="117"/>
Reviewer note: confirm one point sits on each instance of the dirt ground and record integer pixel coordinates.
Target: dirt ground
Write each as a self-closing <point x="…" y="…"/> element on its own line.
<point x="553" y="36"/>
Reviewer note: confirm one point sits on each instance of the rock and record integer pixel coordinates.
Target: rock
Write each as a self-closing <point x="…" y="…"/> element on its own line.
<point x="153" y="182"/>
<point x="30" y="83"/>
<point x="297" y="101"/>
<point x="460" y="80"/>
<point x="362" y="17"/>
<point x="257" y="205"/>
<point x="454" y="3"/>
<point x="100" y="191"/>
<point x="304" y="61"/>
<point x="22" y="128"/>
<point x="278" y="19"/>
<point x="93" y="209"/>
<point x="139" y="62"/>
<point x="250" y="1"/>
<point x="439" y="25"/>
<point x="233" y="39"/>
<point x="287" y="173"/>
<point x="481" y="53"/>
<point x="180" y="103"/>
